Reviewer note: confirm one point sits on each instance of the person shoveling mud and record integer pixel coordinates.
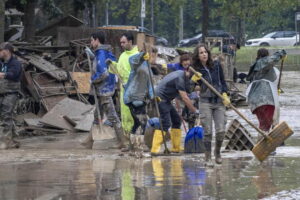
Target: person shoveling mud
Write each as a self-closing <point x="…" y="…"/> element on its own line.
<point x="103" y="84"/>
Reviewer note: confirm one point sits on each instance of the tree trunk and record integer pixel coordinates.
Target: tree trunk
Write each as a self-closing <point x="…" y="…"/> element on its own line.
<point x="205" y="19"/>
<point x="2" y="20"/>
<point x="241" y="32"/>
<point x="29" y="21"/>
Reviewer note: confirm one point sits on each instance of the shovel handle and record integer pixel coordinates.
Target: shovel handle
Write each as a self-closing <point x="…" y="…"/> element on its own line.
<point x="230" y="105"/>
<point x="94" y="94"/>
<point x="156" y="104"/>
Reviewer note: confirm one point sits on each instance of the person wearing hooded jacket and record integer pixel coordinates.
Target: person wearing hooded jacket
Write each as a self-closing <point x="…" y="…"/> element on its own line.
<point x="122" y="69"/>
<point x="262" y="93"/>
<point x="104" y="83"/>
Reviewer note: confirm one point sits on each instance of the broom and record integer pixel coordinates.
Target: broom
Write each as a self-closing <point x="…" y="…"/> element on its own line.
<point x="269" y="142"/>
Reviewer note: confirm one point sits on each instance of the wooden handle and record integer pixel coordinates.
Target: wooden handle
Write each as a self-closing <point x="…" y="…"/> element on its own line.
<point x="230" y="105"/>
<point x="280" y="74"/>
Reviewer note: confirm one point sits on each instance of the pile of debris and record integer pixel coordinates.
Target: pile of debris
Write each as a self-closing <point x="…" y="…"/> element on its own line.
<point x="55" y="82"/>
<point x="54" y="91"/>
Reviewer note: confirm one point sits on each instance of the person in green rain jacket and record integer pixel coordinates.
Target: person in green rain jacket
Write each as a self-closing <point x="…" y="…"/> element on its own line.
<point x="122" y="69"/>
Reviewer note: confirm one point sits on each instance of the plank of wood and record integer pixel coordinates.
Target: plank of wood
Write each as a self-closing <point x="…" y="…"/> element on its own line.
<point x="83" y="81"/>
<point x="85" y="124"/>
<point x="68" y="107"/>
<point x="47" y="67"/>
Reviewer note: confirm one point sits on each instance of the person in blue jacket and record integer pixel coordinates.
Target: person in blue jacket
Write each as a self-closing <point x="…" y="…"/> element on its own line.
<point x="184" y="63"/>
<point x="10" y="86"/>
<point x="104" y="83"/>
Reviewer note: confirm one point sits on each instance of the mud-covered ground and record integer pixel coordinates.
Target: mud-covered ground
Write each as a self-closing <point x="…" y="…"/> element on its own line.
<point x="57" y="167"/>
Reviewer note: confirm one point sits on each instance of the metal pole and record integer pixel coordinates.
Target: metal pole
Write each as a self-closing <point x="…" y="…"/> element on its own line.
<point x="106" y="14"/>
<point x="181" y="24"/>
<point x="296" y="27"/>
<point x="143" y="14"/>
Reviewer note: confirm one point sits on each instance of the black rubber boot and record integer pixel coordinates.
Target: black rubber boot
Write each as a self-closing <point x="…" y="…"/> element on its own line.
<point x="218" y="146"/>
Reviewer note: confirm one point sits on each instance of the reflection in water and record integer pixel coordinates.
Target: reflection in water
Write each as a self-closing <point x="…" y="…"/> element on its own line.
<point x="157" y="178"/>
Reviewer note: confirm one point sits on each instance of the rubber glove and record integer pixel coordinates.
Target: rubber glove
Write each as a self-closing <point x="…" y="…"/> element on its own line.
<point x="226" y="99"/>
<point x="164" y="66"/>
<point x="146" y="56"/>
<point x="89" y="51"/>
<point x="196" y="77"/>
<point x="283" y="58"/>
<point x="158" y="99"/>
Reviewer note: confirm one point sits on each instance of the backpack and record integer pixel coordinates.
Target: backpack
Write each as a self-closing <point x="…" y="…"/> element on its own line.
<point x="193" y="142"/>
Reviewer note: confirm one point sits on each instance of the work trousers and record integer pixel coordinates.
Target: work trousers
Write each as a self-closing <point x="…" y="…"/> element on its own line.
<point x="213" y="112"/>
<point x="7" y="105"/>
<point x="169" y="115"/>
<point x="140" y="117"/>
<point x="107" y="107"/>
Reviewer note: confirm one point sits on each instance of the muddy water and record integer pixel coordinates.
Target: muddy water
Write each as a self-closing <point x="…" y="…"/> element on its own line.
<point x="54" y="167"/>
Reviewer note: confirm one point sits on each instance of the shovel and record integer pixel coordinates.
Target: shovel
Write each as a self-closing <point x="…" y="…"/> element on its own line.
<point x="156" y="106"/>
<point x="269" y="142"/>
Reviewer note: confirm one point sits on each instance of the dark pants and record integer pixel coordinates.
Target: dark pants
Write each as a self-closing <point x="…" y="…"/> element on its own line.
<point x="139" y="116"/>
<point x="7" y="105"/>
<point x="169" y="115"/>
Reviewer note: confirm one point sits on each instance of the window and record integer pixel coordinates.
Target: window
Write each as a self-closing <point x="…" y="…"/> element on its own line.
<point x="289" y="33"/>
<point x="279" y="34"/>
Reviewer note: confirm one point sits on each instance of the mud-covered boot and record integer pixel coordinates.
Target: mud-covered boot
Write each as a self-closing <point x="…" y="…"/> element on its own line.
<point x="218" y="146"/>
<point x="88" y="142"/>
<point x="208" y="161"/>
<point x="122" y="140"/>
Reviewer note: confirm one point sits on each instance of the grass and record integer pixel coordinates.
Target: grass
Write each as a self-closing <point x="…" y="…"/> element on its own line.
<point x="246" y="56"/>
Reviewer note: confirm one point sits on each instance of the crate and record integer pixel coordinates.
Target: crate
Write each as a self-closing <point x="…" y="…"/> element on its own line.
<point x="239" y="138"/>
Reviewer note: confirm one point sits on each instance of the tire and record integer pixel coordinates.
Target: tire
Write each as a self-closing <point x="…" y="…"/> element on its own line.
<point x="297" y="44"/>
<point x="264" y="44"/>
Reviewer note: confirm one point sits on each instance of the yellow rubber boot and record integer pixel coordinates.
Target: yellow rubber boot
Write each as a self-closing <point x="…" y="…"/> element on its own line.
<point x="176" y="140"/>
<point x="156" y="141"/>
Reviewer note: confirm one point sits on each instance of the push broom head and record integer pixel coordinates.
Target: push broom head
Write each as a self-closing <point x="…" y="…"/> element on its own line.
<point x="275" y="138"/>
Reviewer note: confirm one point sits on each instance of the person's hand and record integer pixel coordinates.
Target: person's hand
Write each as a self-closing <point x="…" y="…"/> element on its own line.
<point x="195" y="114"/>
<point x="146" y="56"/>
<point x="164" y="66"/>
<point x="196" y="77"/>
<point x="108" y="61"/>
<point x="226" y="99"/>
<point x="279" y="91"/>
<point x="2" y="75"/>
<point x="284" y="57"/>
<point x="89" y="52"/>
<point x="158" y="99"/>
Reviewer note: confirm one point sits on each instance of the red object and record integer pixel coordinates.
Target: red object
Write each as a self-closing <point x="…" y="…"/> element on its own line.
<point x="265" y="116"/>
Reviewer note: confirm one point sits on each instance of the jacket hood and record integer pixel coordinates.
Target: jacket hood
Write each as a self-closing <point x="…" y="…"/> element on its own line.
<point x="106" y="47"/>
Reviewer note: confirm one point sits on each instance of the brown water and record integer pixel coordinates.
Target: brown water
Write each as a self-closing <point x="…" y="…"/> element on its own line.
<point x="57" y="168"/>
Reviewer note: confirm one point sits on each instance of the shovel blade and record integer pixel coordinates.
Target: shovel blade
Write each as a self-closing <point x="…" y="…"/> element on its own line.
<point x="102" y="132"/>
<point x="277" y="136"/>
